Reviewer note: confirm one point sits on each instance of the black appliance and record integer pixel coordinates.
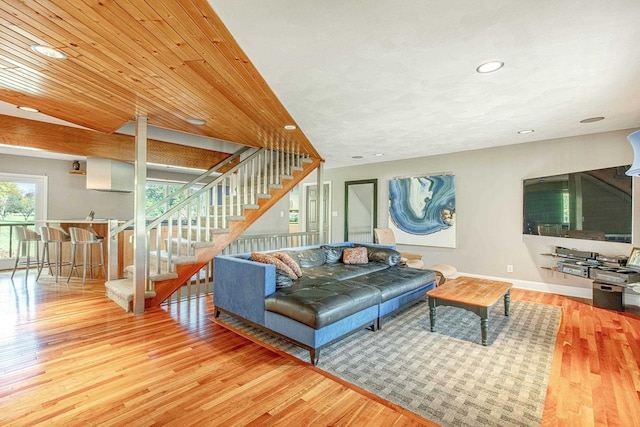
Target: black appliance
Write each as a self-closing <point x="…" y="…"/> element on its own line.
<point x="607" y="296"/>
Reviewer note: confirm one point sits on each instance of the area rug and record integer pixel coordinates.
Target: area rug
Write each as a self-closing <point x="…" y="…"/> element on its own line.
<point x="447" y="376"/>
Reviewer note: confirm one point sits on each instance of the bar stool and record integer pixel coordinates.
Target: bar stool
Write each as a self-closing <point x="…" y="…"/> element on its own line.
<point x="86" y="238"/>
<point x="57" y="237"/>
<point x="25" y="238"/>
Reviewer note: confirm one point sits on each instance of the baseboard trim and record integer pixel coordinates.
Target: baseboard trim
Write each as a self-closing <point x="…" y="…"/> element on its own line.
<point x="549" y="288"/>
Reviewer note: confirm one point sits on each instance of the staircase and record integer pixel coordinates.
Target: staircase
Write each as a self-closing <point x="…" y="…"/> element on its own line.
<point x="205" y="216"/>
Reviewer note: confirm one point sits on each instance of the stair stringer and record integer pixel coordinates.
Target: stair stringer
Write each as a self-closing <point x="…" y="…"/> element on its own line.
<point x="165" y="288"/>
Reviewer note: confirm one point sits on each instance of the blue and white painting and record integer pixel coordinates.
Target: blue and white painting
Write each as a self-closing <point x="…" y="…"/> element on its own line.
<point x="422" y="210"/>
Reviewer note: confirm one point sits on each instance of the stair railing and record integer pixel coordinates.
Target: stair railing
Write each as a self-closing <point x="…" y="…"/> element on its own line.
<point x="271" y="242"/>
<point x="185" y="188"/>
<point x="193" y="222"/>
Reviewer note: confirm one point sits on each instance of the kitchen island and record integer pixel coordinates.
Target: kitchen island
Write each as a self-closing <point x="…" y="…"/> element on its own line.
<point x="101" y="227"/>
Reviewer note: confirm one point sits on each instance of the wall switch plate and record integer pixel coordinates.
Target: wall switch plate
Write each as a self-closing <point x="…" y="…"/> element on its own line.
<point x="334" y="213"/>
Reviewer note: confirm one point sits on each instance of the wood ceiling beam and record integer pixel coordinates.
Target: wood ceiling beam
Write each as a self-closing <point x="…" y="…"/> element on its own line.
<point x="80" y="142"/>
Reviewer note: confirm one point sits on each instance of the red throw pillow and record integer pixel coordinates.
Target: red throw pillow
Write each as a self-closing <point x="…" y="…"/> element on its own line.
<point x="356" y="255"/>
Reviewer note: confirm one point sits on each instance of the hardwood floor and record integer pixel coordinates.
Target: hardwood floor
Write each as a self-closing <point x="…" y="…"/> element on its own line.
<point x="70" y="356"/>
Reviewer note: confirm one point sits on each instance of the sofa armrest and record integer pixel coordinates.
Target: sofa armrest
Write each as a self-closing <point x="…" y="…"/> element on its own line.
<point x="240" y="286"/>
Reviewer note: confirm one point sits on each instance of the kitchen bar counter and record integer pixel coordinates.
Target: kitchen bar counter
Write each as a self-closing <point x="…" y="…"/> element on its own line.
<point x="101" y="227"/>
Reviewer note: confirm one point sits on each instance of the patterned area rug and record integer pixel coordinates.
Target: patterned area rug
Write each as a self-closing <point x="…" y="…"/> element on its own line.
<point x="447" y="376"/>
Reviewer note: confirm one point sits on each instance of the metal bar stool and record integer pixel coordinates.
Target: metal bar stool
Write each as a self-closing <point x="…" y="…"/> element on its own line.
<point x="25" y="238"/>
<point x="57" y="237"/>
<point x="86" y="238"/>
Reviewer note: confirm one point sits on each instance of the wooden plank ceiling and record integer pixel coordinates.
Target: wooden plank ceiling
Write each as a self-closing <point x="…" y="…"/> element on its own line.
<point x="168" y="60"/>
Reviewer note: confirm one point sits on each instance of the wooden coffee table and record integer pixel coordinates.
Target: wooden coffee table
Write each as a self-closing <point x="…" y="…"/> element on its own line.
<point x="475" y="295"/>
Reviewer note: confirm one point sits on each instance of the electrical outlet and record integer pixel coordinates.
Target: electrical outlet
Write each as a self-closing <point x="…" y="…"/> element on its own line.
<point x="509" y="268"/>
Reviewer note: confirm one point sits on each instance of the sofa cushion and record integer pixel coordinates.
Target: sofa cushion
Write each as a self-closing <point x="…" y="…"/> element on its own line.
<point x="396" y="280"/>
<point x="290" y="262"/>
<point x="323" y="304"/>
<point x="308" y="258"/>
<point x="269" y="259"/>
<point x="356" y="255"/>
<point x="340" y="271"/>
<point x="384" y="255"/>
<point x="283" y="280"/>
<point x="333" y="254"/>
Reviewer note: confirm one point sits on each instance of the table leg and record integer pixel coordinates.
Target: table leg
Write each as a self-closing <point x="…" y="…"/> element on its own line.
<point x="484" y="327"/>
<point x="432" y="313"/>
<point x="507" y="301"/>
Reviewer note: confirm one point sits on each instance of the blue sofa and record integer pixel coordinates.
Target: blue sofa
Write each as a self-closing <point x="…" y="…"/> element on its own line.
<point x="329" y="301"/>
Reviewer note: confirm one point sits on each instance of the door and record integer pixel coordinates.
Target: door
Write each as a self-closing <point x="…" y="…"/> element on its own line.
<point x="311" y="208"/>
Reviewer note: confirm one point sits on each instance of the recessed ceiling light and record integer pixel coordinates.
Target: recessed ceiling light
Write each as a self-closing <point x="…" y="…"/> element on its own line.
<point x="29" y="109"/>
<point x="356" y="157"/>
<point x="48" y="51"/>
<point x="378" y="154"/>
<point x="290" y="127"/>
<point x="592" y="119"/>
<point x="490" y="67"/>
<point x="195" y="121"/>
<point x="525" y="131"/>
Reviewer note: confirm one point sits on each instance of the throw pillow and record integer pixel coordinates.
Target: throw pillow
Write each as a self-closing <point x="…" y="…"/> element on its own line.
<point x="268" y="259"/>
<point x="290" y="262"/>
<point x="356" y="255"/>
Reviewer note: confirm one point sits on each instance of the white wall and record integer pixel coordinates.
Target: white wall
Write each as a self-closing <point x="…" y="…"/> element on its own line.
<point x="489" y="202"/>
<point x="68" y="197"/>
<point x="274" y="221"/>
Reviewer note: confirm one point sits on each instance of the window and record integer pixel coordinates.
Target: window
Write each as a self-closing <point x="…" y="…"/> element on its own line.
<point x="157" y="191"/>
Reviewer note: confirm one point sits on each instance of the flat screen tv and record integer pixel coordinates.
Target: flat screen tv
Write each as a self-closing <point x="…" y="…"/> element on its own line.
<point x="594" y="205"/>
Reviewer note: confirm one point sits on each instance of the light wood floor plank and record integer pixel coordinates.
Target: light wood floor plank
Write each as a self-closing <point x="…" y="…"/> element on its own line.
<point x="70" y="356"/>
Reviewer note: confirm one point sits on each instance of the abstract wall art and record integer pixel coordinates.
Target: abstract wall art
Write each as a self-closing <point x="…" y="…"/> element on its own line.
<point x="422" y="210"/>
